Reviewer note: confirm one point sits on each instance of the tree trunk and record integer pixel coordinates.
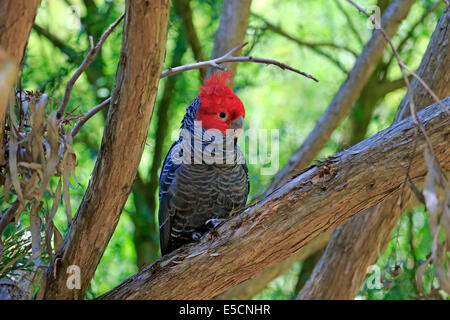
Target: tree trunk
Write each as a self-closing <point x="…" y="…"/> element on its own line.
<point x="143" y="48"/>
<point x="231" y="32"/>
<point x="321" y="198"/>
<point x="356" y="245"/>
<point x="347" y="95"/>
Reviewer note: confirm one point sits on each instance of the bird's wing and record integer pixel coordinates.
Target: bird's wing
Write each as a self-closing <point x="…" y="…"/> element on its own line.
<point x="165" y="216"/>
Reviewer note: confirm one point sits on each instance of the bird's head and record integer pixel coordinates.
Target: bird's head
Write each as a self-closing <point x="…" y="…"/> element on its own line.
<point x="220" y="108"/>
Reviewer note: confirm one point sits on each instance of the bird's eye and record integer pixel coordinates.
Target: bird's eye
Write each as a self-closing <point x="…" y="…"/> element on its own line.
<point x="222" y="115"/>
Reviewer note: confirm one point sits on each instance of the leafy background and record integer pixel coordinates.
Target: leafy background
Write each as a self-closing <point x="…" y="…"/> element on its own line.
<point x="274" y="99"/>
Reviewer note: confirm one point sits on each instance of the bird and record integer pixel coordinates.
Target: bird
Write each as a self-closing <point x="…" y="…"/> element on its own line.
<point x="204" y="176"/>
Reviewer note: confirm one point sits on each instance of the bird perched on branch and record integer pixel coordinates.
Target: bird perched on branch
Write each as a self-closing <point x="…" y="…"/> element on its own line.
<point x="204" y="177"/>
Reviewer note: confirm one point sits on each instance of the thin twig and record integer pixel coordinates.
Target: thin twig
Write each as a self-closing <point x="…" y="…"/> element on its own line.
<point x="214" y="63"/>
<point x="89" y="115"/>
<point x="228" y="57"/>
<point x="86" y="62"/>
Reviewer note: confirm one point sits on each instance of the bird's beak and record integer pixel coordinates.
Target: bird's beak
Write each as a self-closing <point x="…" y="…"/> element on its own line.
<point x="237" y="126"/>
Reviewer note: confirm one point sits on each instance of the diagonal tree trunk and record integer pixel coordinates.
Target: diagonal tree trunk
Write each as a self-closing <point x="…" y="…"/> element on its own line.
<point x="321" y="198"/>
<point x="356" y="245"/>
<point x="143" y="47"/>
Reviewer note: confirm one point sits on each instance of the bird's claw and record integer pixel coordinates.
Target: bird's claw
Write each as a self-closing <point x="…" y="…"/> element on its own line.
<point x="214" y="222"/>
<point x="196" y="236"/>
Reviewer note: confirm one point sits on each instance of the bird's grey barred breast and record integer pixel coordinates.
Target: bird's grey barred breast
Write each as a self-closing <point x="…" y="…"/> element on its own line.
<point x="190" y="193"/>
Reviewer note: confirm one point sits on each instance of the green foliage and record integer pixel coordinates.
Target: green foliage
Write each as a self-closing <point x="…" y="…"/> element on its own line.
<point x="274" y="99"/>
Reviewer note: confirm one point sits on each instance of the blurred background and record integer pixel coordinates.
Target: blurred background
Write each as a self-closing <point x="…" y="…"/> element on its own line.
<point x="320" y="37"/>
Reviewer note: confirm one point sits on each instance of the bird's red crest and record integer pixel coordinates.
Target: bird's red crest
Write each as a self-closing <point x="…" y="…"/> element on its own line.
<point x="216" y="96"/>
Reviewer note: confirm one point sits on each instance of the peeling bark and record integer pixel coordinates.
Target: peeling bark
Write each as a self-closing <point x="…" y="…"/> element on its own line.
<point x="143" y="48"/>
<point x="321" y="198"/>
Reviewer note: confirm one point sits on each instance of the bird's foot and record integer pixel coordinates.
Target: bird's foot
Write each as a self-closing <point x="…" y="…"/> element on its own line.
<point x="196" y="236"/>
<point x="214" y="222"/>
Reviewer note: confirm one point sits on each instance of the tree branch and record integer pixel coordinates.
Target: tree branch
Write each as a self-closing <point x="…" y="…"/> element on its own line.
<point x="344" y="99"/>
<point x="350" y="23"/>
<point x="312" y="45"/>
<point x="289" y="218"/>
<point x="231" y="31"/>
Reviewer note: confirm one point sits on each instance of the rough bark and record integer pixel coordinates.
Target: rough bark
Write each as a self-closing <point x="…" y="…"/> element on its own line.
<point x="143" y="47"/>
<point x="321" y="198"/>
<point x="231" y="31"/>
<point x="250" y="288"/>
<point x="346" y="96"/>
<point x="357" y="244"/>
<point x="16" y="19"/>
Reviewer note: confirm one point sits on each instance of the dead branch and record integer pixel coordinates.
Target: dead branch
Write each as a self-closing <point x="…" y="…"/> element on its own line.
<point x="289" y="218"/>
<point x="86" y="62"/>
<point x="403" y="67"/>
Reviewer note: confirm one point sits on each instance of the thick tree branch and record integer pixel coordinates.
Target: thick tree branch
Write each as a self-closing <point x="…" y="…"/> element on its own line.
<point x="321" y="198"/>
<point x="314" y="46"/>
<point x="346" y="96"/>
<point x="123" y="141"/>
<point x="250" y="288"/>
<point x="231" y="31"/>
<point x="368" y="234"/>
